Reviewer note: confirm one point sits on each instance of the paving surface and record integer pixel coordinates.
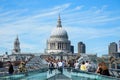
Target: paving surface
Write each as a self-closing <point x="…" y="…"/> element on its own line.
<point x="59" y="77"/>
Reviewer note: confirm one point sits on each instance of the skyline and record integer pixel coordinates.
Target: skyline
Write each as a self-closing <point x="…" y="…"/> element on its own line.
<point x="95" y="23"/>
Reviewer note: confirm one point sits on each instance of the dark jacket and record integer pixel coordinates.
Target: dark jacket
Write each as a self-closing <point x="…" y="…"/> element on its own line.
<point x="11" y="70"/>
<point x="105" y="72"/>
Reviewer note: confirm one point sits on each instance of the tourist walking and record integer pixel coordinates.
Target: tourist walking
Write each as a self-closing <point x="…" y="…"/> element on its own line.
<point x="83" y="67"/>
<point x="99" y="69"/>
<point x="60" y="66"/>
<point x="103" y="69"/>
<point x="76" y="65"/>
<point x="87" y="65"/>
<point x="10" y="69"/>
<point x="51" y="67"/>
<point x="22" y="67"/>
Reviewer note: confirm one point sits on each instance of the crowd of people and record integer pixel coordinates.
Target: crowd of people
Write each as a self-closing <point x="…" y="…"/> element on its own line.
<point x="56" y="64"/>
<point x="60" y="64"/>
<point x="84" y="66"/>
<point x="21" y="68"/>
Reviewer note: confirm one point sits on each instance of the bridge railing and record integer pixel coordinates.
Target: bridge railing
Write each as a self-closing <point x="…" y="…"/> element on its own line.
<point x="74" y="74"/>
<point x="71" y="73"/>
<point x="21" y="76"/>
<point x="92" y="76"/>
<point x="115" y="72"/>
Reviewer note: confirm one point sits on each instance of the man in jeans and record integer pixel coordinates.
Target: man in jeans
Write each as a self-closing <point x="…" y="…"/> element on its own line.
<point x="60" y="64"/>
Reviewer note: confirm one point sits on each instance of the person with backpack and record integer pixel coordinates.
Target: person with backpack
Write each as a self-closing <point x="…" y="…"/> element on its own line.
<point x="51" y="67"/>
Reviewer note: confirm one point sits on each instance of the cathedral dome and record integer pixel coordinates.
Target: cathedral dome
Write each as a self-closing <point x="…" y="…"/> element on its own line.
<point x="58" y="41"/>
<point x="59" y="32"/>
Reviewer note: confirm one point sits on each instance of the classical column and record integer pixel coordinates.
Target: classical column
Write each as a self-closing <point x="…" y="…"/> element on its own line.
<point x="48" y="45"/>
<point x="62" y="46"/>
<point x="51" y="46"/>
<point x="58" y="45"/>
<point x="65" y="45"/>
<point x="54" y="45"/>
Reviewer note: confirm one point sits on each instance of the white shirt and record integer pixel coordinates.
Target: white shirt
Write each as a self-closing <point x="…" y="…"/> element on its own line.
<point x="55" y="65"/>
<point x="59" y="64"/>
<point x="76" y="65"/>
<point x="87" y="65"/>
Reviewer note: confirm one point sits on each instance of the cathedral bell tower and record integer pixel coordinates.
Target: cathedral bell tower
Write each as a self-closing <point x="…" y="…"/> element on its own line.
<point x="16" y="49"/>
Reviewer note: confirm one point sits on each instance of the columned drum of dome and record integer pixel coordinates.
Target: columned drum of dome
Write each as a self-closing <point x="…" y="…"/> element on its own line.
<point x="58" y="41"/>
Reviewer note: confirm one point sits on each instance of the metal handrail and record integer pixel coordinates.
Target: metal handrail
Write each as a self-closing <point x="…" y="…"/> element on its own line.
<point x="72" y="70"/>
<point x="90" y="74"/>
<point x="115" y="72"/>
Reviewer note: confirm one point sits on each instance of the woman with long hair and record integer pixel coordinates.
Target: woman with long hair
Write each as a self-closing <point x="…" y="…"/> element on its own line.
<point x="103" y="69"/>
